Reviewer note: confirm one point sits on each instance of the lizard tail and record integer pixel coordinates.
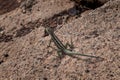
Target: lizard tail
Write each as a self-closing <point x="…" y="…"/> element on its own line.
<point x="75" y="53"/>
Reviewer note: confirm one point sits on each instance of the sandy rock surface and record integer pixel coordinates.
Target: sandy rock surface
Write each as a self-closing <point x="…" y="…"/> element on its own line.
<point x="24" y="54"/>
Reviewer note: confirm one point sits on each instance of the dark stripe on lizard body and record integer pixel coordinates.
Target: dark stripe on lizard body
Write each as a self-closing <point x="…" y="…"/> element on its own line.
<point x="55" y="39"/>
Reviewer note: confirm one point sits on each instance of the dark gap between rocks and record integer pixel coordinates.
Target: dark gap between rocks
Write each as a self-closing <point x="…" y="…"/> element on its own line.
<point x="1" y="61"/>
<point x="91" y="4"/>
<point x="6" y="55"/>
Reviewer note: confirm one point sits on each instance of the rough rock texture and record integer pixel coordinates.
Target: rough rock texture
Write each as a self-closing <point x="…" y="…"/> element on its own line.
<point x="23" y="49"/>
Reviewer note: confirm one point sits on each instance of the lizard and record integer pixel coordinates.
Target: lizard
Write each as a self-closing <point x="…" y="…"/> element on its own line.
<point x="62" y="49"/>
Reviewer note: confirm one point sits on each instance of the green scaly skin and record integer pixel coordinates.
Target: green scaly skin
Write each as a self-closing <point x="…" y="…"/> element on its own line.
<point x="61" y="48"/>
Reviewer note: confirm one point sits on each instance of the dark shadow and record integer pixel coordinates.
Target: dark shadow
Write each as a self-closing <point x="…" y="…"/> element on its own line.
<point x="91" y="4"/>
<point x="8" y="5"/>
<point x="1" y="61"/>
<point x="23" y="31"/>
<point x="6" y="38"/>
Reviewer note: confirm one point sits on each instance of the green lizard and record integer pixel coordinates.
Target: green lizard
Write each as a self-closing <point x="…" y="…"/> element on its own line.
<point x="62" y="50"/>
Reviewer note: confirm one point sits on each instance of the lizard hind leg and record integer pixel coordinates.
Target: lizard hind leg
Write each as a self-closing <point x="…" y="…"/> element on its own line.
<point x="59" y="53"/>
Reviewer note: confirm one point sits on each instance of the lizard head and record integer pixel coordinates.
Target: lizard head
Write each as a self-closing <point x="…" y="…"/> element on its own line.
<point x="48" y="31"/>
